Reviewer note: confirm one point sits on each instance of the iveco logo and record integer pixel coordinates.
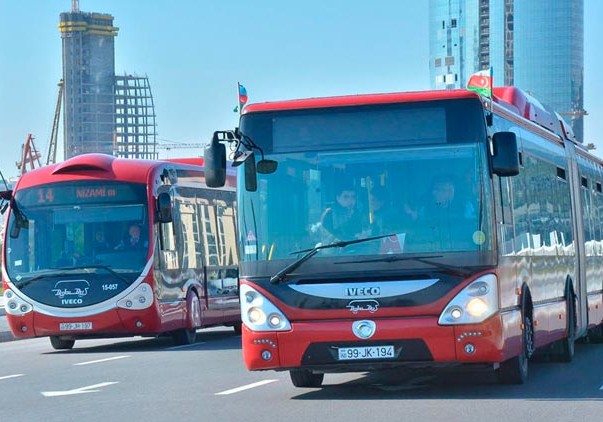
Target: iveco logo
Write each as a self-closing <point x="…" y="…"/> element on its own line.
<point x="362" y="291"/>
<point x="364" y="329"/>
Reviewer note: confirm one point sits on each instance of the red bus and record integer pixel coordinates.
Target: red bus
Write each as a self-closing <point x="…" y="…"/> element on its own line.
<point x="98" y="246"/>
<point x="410" y="229"/>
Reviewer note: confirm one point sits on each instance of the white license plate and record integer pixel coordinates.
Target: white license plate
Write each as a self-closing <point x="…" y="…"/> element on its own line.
<point x="70" y="326"/>
<point x="373" y="352"/>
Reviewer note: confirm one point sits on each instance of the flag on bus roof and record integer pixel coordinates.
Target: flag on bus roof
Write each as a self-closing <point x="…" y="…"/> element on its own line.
<point x="242" y="96"/>
<point x="481" y="82"/>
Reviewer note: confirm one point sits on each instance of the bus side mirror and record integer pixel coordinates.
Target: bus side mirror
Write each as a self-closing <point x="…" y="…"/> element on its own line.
<point x="164" y="208"/>
<point x="215" y="163"/>
<point x="505" y="157"/>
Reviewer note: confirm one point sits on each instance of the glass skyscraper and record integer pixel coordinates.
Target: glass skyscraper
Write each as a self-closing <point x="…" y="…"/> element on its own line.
<point x="536" y="45"/>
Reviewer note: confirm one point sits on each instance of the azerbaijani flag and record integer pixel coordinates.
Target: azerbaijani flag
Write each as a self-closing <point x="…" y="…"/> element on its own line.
<point x="242" y="96"/>
<point x="481" y="82"/>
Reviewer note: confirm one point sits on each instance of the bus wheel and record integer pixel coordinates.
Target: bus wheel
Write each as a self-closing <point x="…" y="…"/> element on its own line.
<point x="59" y="343"/>
<point x="305" y="378"/>
<point x="188" y="335"/>
<point x="566" y="345"/>
<point x="238" y="329"/>
<point x="515" y="370"/>
<point x="595" y="335"/>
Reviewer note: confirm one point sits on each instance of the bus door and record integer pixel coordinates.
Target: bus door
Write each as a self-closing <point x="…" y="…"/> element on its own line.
<point x="221" y="260"/>
<point x="580" y="286"/>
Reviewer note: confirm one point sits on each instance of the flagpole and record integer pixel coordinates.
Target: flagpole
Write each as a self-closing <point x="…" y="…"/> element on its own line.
<point x="239" y="96"/>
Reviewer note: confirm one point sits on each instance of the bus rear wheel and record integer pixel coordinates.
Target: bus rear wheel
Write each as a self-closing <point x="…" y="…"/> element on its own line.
<point x="59" y="343"/>
<point x="566" y="346"/>
<point x="306" y="379"/>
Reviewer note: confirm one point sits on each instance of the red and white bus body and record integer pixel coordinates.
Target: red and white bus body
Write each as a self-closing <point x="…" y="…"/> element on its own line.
<point x="60" y="282"/>
<point x="521" y="270"/>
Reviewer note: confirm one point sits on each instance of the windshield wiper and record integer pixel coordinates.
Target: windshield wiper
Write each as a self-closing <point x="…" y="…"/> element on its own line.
<point x="282" y="274"/>
<point x="450" y="269"/>
<point x="59" y="272"/>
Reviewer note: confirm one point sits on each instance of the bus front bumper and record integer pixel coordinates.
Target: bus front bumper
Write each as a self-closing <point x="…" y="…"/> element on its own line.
<point x="320" y="345"/>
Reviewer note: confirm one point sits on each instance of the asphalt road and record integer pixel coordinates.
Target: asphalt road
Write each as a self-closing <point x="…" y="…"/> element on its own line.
<point x="149" y="379"/>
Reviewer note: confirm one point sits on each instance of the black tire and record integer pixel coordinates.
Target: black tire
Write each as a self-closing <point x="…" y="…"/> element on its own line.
<point x="59" y="343"/>
<point x="188" y="335"/>
<point x="184" y="337"/>
<point x="595" y="335"/>
<point x="306" y="379"/>
<point x="515" y="370"/>
<point x="567" y="345"/>
<point x="238" y="328"/>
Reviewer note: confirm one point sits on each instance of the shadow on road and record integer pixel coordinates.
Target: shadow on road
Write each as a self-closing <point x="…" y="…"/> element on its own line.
<point x="579" y="380"/>
<point x="214" y="339"/>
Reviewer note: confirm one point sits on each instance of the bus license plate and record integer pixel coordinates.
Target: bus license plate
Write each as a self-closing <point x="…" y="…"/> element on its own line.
<point x="374" y="352"/>
<point x="71" y="326"/>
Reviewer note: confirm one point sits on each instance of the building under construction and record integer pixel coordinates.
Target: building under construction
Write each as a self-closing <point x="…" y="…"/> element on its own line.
<point x="102" y="113"/>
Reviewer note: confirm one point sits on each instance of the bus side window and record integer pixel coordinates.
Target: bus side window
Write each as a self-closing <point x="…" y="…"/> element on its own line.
<point x="169" y="256"/>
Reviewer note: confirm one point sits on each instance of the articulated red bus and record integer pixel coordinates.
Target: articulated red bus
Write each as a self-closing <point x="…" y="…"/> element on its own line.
<point x="414" y="228"/>
<point x="98" y="246"/>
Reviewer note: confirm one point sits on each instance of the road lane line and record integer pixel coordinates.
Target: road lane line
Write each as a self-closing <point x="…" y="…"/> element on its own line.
<point x="102" y="360"/>
<point x="81" y="390"/>
<point x="11" y="376"/>
<point x="245" y="387"/>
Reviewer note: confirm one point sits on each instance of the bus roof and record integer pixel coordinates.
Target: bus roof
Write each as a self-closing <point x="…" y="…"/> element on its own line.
<point x="99" y="166"/>
<point x="508" y="97"/>
<point x="361" y="99"/>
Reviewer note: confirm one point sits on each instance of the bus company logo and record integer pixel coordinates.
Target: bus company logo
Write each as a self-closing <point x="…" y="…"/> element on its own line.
<point x="356" y="306"/>
<point x="362" y="291"/>
<point x="71" y="292"/>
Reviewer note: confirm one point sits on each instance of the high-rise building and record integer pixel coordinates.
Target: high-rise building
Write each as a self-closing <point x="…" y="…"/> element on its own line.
<point x="89" y="78"/>
<point x="103" y="112"/>
<point x="536" y="45"/>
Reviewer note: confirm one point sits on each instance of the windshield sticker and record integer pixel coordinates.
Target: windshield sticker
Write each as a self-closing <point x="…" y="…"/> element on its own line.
<point x="71" y="292"/>
<point x="363" y="305"/>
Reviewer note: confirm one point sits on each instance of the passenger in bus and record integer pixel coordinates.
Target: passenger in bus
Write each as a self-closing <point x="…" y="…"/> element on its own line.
<point x="100" y="242"/>
<point x="443" y="220"/>
<point x="133" y="239"/>
<point x="343" y="220"/>
<point x="384" y="219"/>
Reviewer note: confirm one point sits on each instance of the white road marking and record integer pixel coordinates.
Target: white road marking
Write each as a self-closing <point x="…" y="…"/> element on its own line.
<point x="11" y="376"/>
<point x="102" y="360"/>
<point x="81" y="390"/>
<point x="245" y="387"/>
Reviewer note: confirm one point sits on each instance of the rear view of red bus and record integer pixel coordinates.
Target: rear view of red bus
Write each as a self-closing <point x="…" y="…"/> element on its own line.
<point x="98" y="246"/>
<point x="411" y="229"/>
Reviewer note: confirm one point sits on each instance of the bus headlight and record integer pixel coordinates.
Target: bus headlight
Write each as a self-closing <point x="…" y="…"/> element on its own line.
<point x="259" y="314"/>
<point x="474" y="304"/>
<point x="15" y="305"/>
<point x="139" y="298"/>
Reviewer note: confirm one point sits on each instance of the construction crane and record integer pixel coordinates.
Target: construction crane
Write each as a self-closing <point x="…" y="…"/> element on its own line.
<point x="180" y="146"/>
<point x="29" y="155"/>
<point x="51" y="158"/>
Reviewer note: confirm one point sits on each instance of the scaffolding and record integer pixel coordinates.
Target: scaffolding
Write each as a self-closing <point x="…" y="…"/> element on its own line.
<point x="135" y="126"/>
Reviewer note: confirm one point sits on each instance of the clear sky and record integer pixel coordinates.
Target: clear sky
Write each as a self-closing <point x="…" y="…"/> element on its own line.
<point x="195" y="51"/>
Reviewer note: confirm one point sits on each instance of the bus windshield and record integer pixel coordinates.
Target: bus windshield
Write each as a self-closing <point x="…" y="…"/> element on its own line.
<point x="72" y="228"/>
<point x="426" y="188"/>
